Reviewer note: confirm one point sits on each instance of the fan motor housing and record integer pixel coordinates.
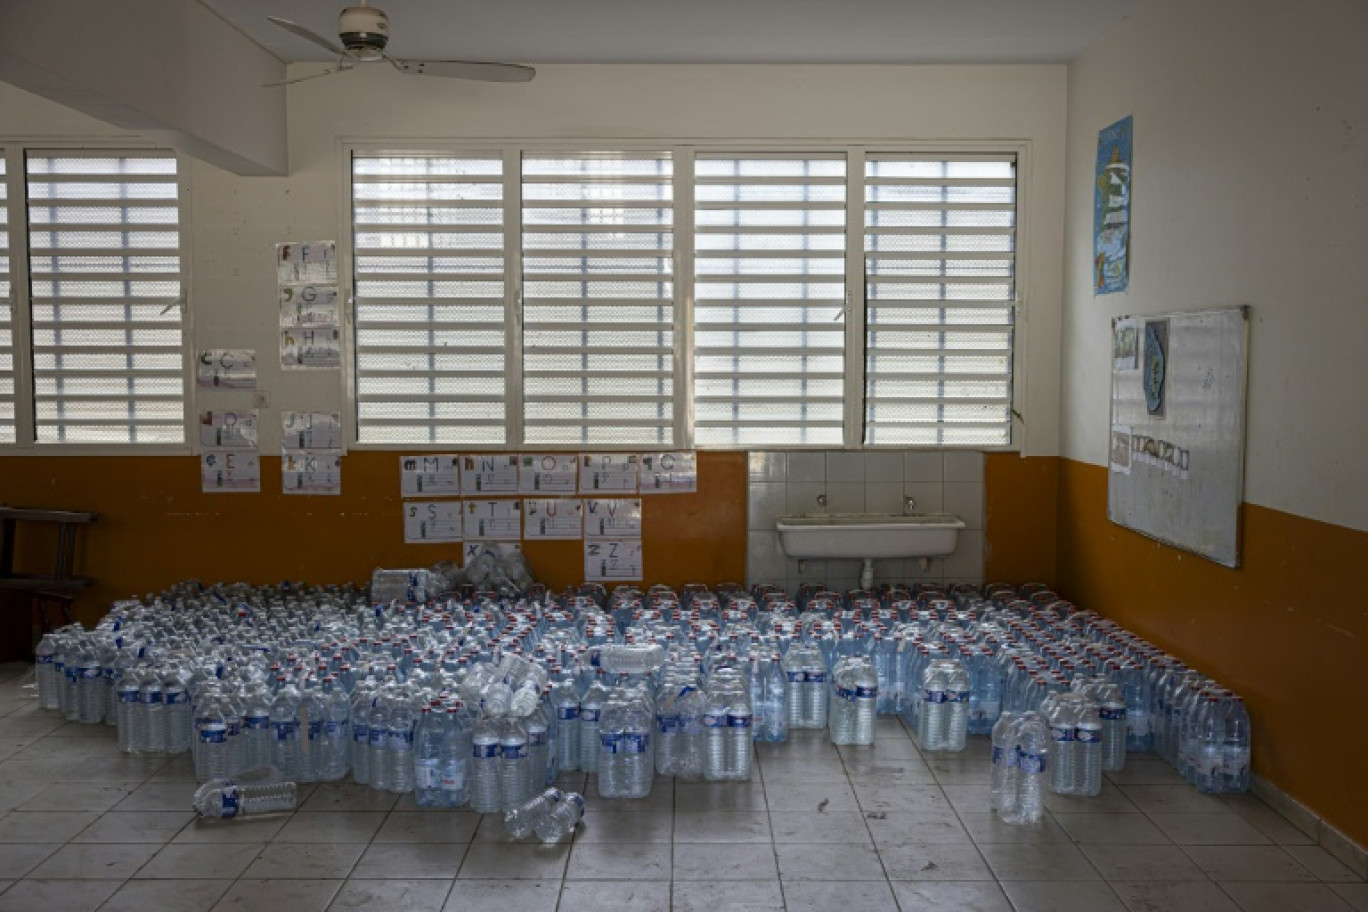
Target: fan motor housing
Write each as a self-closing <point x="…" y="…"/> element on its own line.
<point x="363" y="30"/>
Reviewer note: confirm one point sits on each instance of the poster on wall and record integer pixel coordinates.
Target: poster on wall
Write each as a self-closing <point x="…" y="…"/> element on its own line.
<point x="612" y="559"/>
<point x="311" y="430"/>
<point x="548" y="473"/>
<point x="669" y="473"/>
<point x="551" y="519"/>
<point x="226" y="368"/>
<point x="311" y="348"/>
<point x="230" y="470"/>
<point x="620" y="518"/>
<point x="306" y="262"/>
<point x="493" y="520"/>
<point x="493" y="474"/>
<point x="236" y="430"/>
<point x="608" y="473"/>
<point x="308" y="305"/>
<point x="311" y="471"/>
<point x="433" y="476"/>
<point x="432" y="521"/>
<point x="1111" y="209"/>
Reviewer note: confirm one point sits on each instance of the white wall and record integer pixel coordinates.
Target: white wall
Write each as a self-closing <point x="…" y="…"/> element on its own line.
<point x="1250" y="186"/>
<point x="238" y="220"/>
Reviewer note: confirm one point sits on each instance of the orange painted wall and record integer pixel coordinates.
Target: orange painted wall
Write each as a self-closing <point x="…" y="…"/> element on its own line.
<point x="1021" y="501"/>
<point x="1288" y="630"/>
<point x="156" y="527"/>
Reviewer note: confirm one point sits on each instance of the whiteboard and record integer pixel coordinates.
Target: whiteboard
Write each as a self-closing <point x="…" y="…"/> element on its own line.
<point x="1175" y="465"/>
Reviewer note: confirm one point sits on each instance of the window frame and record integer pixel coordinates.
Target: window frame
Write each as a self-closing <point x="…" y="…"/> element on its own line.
<point x="683" y="152"/>
<point x="16" y="152"/>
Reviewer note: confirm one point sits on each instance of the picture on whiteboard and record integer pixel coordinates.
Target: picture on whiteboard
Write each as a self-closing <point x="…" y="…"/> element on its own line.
<point x="1125" y="344"/>
<point x="1156" y="365"/>
<point x="1120" y="459"/>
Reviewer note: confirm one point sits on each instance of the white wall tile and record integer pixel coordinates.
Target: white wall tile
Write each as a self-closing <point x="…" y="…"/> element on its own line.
<point x="890" y="571"/>
<point x="845" y="467"/>
<point x="963" y="465"/>
<point x="767" y="466"/>
<point x="965" y="500"/>
<point x="807" y="467"/>
<point x="929" y="496"/>
<point x="765" y="501"/>
<point x="765" y="562"/>
<point x="801" y="497"/>
<point x="884" y="497"/>
<point x="967" y="561"/>
<point x="845" y="498"/>
<point x="923" y="465"/>
<point x="883" y="465"/>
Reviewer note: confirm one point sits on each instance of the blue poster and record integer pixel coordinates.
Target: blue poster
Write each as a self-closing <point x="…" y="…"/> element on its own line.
<point x="1111" y="209"/>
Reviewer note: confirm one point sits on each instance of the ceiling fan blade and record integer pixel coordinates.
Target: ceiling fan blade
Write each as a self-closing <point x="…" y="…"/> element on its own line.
<point x="464" y="69"/>
<point x="285" y="82"/>
<point x="304" y="33"/>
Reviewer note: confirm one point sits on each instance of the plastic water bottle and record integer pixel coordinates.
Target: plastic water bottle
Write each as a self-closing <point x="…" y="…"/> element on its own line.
<point x="400" y="745"/>
<point x="285" y="729"/>
<point x="1134" y="687"/>
<point x="739" y="737"/>
<point x="1002" y="796"/>
<point x="1235" y="750"/>
<point x="126" y="692"/>
<point x="227" y="799"/>
<point x="1063" y="719"/>
<point x="1112" y="712"/>
<point x="689" y="748"/>
<point x="637" y="759"/>
<point x="815" y="682"/>
<point x="795" y="694"/>
<point x="336" y="735"/>
<point x="455" y="758"/>
<point x="590" y="709"/>
<point x="153" y="709"/>
<point x="774" y="695"/>
<point x="538" y="749"/>
<point x="359" y="718"/>
<point x="841" y="705"/>
<point x="566" y="701"/>
<point x="513" y="762"/>
<point x="931" y="722"/>
<point x="715" y="737"/>
<point x="46" y="673"/>
<point x="256" y="726"/>
<point x="310" y="734"/>
<point x="1088" y="752"/>
<point x="381" y="773"/>
<point x="561" y="822"/>
<point x="956" y="715"/>
<point x="1210" y="735"/>
<point x="521" y="820"/>
<point x="1032" y="749"/>
<point x="611" y="730"/>
<point x="486" y="793"/>
<point x="211" y="724"/>
<point x="428" y="743"/>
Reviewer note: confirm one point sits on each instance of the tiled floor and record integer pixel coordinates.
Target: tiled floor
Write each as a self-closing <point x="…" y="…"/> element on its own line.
<point x="872" y="829"/>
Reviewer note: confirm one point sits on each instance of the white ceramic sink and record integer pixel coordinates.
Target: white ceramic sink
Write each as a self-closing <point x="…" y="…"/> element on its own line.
<point x="868" y="536"/>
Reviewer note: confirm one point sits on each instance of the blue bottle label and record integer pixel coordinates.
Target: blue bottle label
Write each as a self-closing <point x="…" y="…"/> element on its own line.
<point x="588" y="715"/>
<point x="1062" y="732"/>
<point x="668" y="725"/>
<point x="957" y="696"/>
<point x="332" y="729"/>
<point x="1112" y="713"/>
<point x="213" y="734"/>
<point x="738" y="721"/>
<point x="1032" y="763"/>
<point x="377" y="737"/>
<point x="230" y="800"/>
<point x="1087" y="736"/>
<point x="258" y="723"/>
<point x="934" y="696"/>
<point x="845" y="694"/>
<point x="816" y="677"/>
<point x="536" y="737"/>
<point x="609" y="742"/>
<point x="401" y="739"/>
<point x="567" y="713"/>
<point x="44" y="660"/>
<point x="714" y="720"/>
<point x="284" y="731"/>
<point x="634" y="743"/>
<point x="150" y="697"/>
<point x="796" y="677"/>
<point x="128" y="696"/>
<point x="866" y="693"/>
<point x="361" y="734"/>
<point x="486" y="751"/>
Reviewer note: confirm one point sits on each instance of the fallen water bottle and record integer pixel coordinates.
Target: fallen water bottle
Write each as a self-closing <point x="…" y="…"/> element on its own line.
<point x="227" y="798"/>
<point x="520" y="820"/>
<point x="561" y="822"/>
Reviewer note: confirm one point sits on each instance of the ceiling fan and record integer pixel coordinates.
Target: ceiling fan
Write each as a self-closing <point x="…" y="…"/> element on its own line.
<point x="364" y="31"/>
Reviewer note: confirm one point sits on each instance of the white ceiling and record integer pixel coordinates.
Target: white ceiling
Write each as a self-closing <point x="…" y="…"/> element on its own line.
<point x="704" y="31"/>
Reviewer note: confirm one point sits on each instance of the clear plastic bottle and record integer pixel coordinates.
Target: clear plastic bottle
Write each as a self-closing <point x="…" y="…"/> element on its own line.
<point x="957" y="697"/>
<point x="256" y="726"/>
<point x="1063" y="718"/>
<point x="211" y="730"/>
<point x="360" y="733"/>
<point x="336" y="736"/>
<point x="775" y="697"/>
<point x="1211" y="735"/>
<point x="815" y="682"/>
<point x="538" y="748"/>
<point x="637" y="757"/>
<point x="153" y="709"/>
<point x="381" y="773"/>
<point x="486" y="792"/>
<point x="591" y="706"/>
<point x="561" y="822"/>
<point x="521" y="820"/>
<point x="1002" y="794"/>
<point x="715" y="736"/>
<point x="565" y="699"/>
<point x="1112" y="711"/>
<point x="46" y="672"/>
<point x="285" y="729"/>
<point x="513" y="762"/>
<point x="1032" y="749"/>
<point x="400" y="744"/>
<point x="739" y="749"/>
<point x="1235" y="750"/>
<point x="1087" y="751"/>
<point x="841" y="705"/>
<point x="931" y="722"/>
<point x="126" y="693"/>
<point x="795" y="695"/>
<point x="310" y="733"/>
<point x="428" y="741"/>
<point x="455" y="758"/>
<point x="225" y="798"/>
<point x="610" y="736"/>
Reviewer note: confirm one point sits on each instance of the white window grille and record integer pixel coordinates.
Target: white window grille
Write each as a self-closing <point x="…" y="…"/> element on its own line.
<point x="7" y="373"/>
<point x="429" y="258"/>
<point x="104" y="265"/>
<point x="598" y="299"/>
<point x="770" y="298"/>
<point x="940" y="288"/>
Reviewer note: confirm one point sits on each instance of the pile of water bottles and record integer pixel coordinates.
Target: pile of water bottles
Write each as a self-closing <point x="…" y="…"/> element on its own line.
<point x="481" y="700"/>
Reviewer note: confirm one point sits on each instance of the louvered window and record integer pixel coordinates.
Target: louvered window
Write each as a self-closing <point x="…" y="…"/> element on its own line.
<point x="770" y="295"/>
<point x="431" y="344"/>
<point x="105" y="297"/>
<point x="7" y="374"/>
<point x="598" y="299"/>
<point x="940" y="248"/>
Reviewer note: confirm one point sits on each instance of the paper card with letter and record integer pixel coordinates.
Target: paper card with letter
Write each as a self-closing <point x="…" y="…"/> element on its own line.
<point x="548" y="473"/>
<point x="432" y="521"/>
<point x="608" y="473"/>
<point x="489" y="474"/>
<point x="615" y="518"/>
<point x="430" y="476"/>
<point x="669" y="473"/>
<point x="493" y="520"/>
<point x="545" y="519"/>
<point x="225" y="470"/>
<point x="612" y="559"/>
